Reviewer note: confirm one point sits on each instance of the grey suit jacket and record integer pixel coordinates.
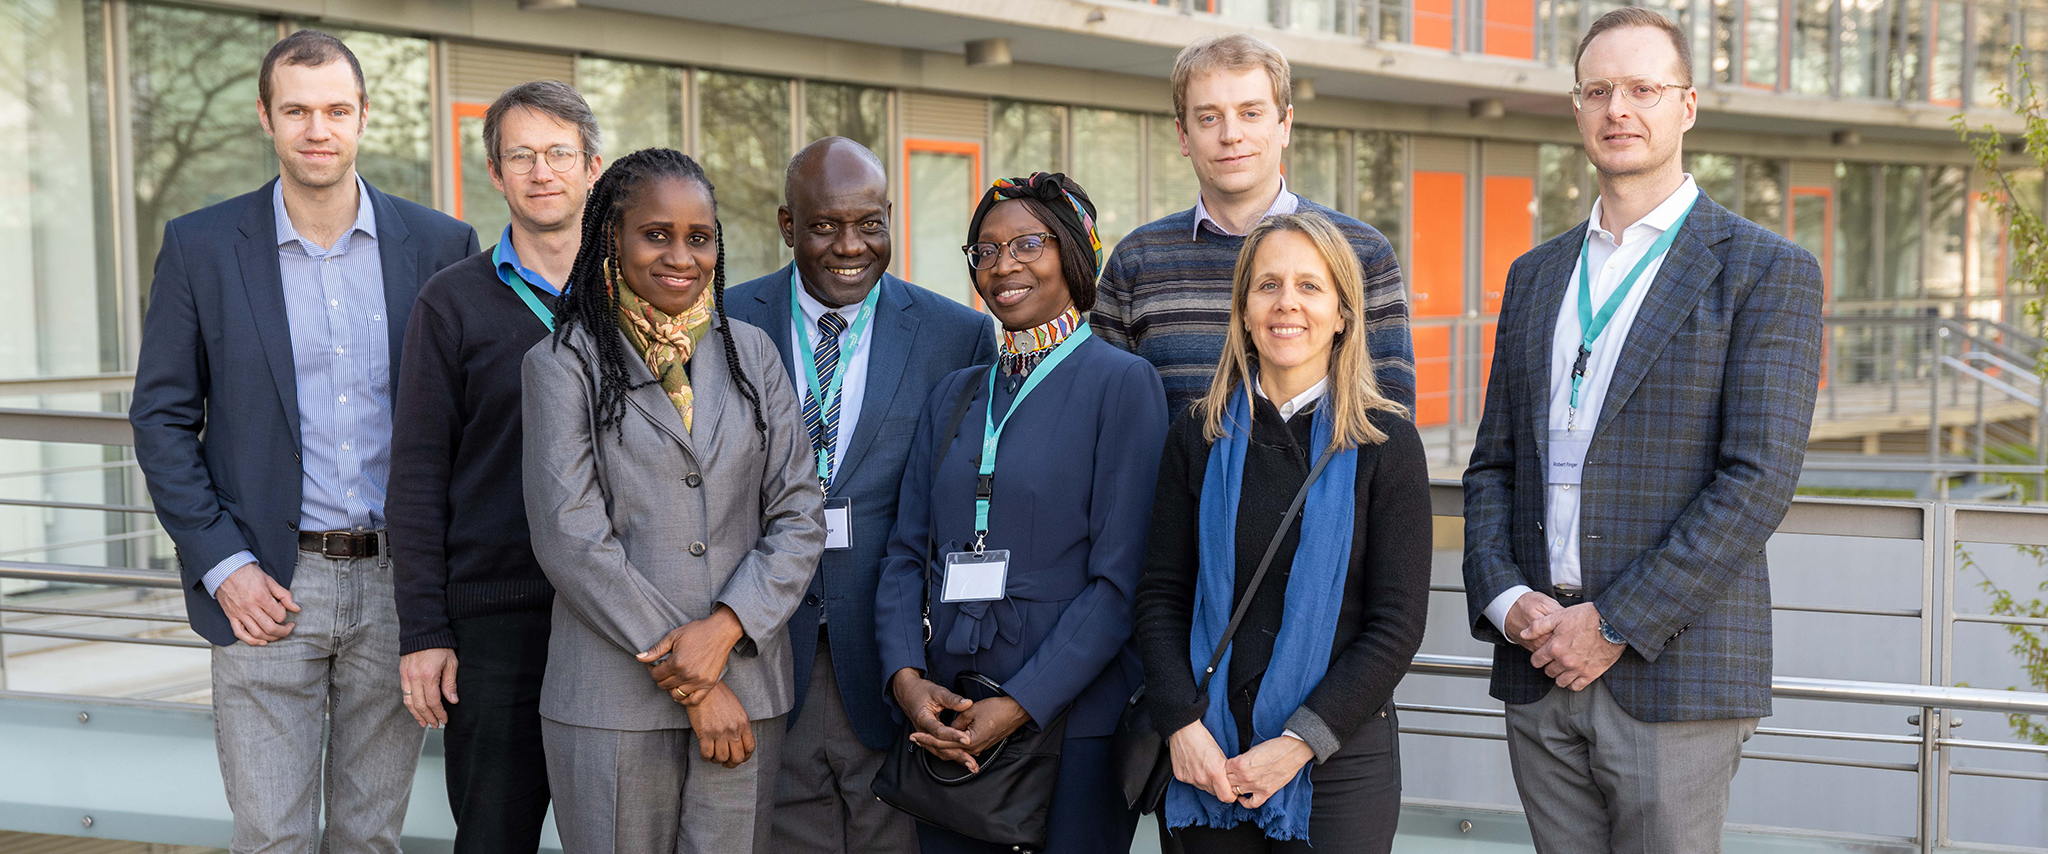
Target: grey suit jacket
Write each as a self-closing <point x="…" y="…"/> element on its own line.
<point x="648" y="528"/>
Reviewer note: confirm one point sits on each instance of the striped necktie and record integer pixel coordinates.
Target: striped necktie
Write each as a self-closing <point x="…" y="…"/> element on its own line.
<point x="824" y="426"/>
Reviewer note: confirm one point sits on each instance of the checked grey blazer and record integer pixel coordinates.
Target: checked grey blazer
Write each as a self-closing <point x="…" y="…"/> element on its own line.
<point x="644" y="532"/>
<point x="1692" y="466"/>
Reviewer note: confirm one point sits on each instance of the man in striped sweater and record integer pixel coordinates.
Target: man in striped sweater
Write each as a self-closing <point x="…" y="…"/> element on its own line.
<point x="1165" y="294"/>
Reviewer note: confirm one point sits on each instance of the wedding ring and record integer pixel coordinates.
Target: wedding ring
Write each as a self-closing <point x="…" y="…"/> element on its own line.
<point x="677" y="692"/>
<point x="405" y="693"/>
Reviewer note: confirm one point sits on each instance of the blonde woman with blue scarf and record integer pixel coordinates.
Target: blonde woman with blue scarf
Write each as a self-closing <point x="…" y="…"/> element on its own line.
<point x="1292" y="742"/>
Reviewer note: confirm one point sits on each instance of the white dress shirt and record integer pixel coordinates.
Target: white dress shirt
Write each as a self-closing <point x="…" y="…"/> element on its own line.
<point x="1611" y="258"/>
<point x="1293" y="405"/>
<point x="854" y="389"/>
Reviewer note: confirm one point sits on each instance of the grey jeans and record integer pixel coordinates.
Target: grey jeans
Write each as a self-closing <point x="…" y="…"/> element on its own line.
<point x="653" y="792"/>
<point x="1593" y="779"/>
<point x="318" y="714"/>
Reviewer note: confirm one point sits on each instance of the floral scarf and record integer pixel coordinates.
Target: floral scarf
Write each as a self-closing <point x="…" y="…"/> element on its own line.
<point x="666" y="342"/>
<point x="1024" y="349"/>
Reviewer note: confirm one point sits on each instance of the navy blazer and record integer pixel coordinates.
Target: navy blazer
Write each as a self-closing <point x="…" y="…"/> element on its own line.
<point x="215" y="410"/>
<point x="1693" y="464"/>
<point x="917" y="338"/>
<point x="1074" y="479"/>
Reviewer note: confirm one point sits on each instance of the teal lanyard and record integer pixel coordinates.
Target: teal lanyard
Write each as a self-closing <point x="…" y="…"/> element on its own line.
<point x="992" y="431"/>
<point x="826" y="392"/>
<point x="533" y="303"/>
<point x="1590" y="324"/>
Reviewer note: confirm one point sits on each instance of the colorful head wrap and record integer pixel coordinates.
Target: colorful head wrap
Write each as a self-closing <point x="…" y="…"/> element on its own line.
<point x="1073" y="214"/>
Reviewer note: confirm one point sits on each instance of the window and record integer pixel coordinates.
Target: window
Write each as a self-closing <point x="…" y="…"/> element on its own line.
<point x="1315" y="166"/>
<point x="397" y="152"/>
<point x="1107" y="158"/>
<point x="1717" y="176"/>
<point x="1763" y="192"/>
<point x="1946" y="85"/>
<point x="637" y="105"/>
<point x="1727" y="39"/>
<point x="1564" y="194"/>
<point x="1760" y="42"/>
<point x="1861" y="47"/>
<point x="1026" y="138"/>
<point x="1994" y="54"/>
<point x="1173" y="185"/>
<point x="745" y="147"/>
<point x="859" y="113"/>
<point x="1381" y="161"/>
<point x="1811" y="43"/>
<point x="1904" y="72"/>
<point x="1385" y="19"/>
<point x="1855" y="231"/>
<point x="1903" y="201"/>
<point x="1947" y="190"/>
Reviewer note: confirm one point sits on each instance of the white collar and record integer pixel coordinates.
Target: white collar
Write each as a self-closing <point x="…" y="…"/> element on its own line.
<point x="813" y="310"/>
<point x="1285" y="203"/>
<point x="1658" y="219"/>
<point x="1288" y="409"/>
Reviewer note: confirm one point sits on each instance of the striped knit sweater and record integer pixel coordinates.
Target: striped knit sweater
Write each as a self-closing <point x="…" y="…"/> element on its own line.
<point x="1166" y="298"/>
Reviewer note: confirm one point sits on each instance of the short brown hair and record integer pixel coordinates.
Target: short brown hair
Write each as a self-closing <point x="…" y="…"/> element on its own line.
<point x="1232" y="52"/>
<point x="1637" y="16"/>
<point x="551" y="98"/>
<point x="308" y="49"/>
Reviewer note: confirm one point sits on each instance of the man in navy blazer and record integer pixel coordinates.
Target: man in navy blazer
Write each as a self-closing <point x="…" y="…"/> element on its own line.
<point x="1646" y="418"/>
<point x="891" y="342"/>
<point x="262" y="417"/>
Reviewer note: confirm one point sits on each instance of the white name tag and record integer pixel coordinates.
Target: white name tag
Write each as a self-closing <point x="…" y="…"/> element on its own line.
<point x="838" y="524"/>
<point x="1567" y="463"/>
<point x="974" y="577"/>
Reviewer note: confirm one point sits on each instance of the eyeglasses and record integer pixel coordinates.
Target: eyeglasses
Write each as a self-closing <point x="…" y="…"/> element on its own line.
<point x="1024" y="247"/>
<point x="1593" y="93"/>
<point x="561" y="158"/>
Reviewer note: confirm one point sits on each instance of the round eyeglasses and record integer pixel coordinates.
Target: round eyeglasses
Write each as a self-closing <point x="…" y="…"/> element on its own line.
<point x="1024" y="247"/>
<point x="561" y="158"/>
<point x="1593" y="93"/>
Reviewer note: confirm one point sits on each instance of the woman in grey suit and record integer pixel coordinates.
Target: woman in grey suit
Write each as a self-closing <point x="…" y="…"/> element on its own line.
<point x="673" y="507"/>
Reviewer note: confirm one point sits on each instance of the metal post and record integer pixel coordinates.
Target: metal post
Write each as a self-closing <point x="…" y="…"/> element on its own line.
<point x="1934" y="405"/>
<point x="1930" y="540"/>
<point x="1834" y="345"/>
<point x="3" y="637"/>
<point x="1980" y="422"/>
<point x="1891" y="365"/>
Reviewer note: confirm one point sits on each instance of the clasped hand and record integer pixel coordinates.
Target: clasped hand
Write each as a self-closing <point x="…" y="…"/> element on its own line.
<point x="977" y="725"/>
<point x="689" y="664"/>
<point x="1567" y="644"/>
<point x="1248" y="779"/>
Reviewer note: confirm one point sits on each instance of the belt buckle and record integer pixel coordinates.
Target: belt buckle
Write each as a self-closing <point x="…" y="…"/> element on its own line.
<point x="336" y="544"/>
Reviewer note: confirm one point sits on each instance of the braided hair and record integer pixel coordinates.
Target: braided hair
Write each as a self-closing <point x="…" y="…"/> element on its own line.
<point x="591" y="300"/>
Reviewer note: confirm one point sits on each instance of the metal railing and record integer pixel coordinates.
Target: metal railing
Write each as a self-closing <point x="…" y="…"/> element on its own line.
<point x="1937" y="526"/>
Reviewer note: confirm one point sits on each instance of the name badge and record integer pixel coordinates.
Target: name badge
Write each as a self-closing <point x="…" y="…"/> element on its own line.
<point x="1567" y="463"/>
<point x="838" y="524"/>
<point x="974" y="577"/>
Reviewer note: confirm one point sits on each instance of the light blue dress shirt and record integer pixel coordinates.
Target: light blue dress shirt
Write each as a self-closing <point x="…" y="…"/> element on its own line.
<point x="505" y="258"/>
<point x="341" y="360"/>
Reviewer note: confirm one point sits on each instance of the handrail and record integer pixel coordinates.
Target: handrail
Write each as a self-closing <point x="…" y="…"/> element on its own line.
<point x="1964" y="368"/>
<point x="52" y="425"/>
<point x="118" y="576"/>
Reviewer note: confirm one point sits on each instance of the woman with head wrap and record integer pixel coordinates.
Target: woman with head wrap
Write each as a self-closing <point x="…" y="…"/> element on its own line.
<point x="1032" y="521"/>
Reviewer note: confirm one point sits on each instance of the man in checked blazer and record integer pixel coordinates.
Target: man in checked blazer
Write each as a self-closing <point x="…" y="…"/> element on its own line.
<point x="1623" y="483"/>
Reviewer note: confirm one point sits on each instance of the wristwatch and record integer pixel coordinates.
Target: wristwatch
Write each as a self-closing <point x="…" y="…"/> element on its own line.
<point x="1607" y="633"/>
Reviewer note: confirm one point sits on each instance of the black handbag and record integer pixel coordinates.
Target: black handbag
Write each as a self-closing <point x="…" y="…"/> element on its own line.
<point x="1137" y="750"/>
<point x="1009" y="800"/>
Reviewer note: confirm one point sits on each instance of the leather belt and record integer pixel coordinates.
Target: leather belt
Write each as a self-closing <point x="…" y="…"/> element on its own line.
<point x="1566" y="591"/>
<point x="339" y="543"/>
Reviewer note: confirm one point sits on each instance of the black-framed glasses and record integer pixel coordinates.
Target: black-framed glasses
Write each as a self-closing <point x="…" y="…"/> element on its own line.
<point x="1024" y="247"/>
<point x="561" y="158"/>
<point x="1593" y="93"/>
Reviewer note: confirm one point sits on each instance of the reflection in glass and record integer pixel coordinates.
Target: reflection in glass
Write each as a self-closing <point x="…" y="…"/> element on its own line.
<point x="2030" y="187"/>
<point x="196" y="136"/>
<point x="1718" y="176"/>
<point x="1173" y="185"/>
<point x="1903" y="200"/>
<point x="1392" y="16"/>
<point x="1026" y="138"/>
<point x="941" y="194"/>
<point x="1314" y="165"/>
<point x="745" y="146"/>
<point x="1381" y="162"/>
<point x="1860" y="47"/>
<point x="483" y="207"/>
<point x="859" y="113"/>
<point x="1947" y="189"/>
<point x="1727" y="28"/>
<point x="1809" y="224"/>
<point x="1564" y="189"/>
<point x="1259" y="12"/>
<point x="397" y="151"/>
<point x="1106" y="158"/>
<point x="1763" y="192"/>
<point x="1760" y="43"/>
<point x="1994" y="54"/>
<point x="1313" y="15"/>
<point x="1855" y="231"/>
<point x="1562" y="16"/>
<point x="1947" y="83"/>
<point x="1810" y="45"/>
<point x="1991" y="249"/>
<point x="1904" y="73"/>
<point x="638" y="105"/>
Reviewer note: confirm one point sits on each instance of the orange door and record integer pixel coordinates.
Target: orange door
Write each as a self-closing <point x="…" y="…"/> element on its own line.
<point x="1432" y="375"/>
<point x="1438" y="251"/>
<point x="1510" y="231"/>
<point x="1511" y="28"/>
<point x="1432" y="24"/>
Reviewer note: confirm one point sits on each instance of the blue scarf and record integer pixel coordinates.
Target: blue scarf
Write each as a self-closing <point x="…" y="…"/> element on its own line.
<point x="1301" y="652"/>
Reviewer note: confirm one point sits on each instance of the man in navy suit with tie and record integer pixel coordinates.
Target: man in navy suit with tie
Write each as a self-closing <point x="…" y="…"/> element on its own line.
<point x="262" y="417"/>
<point x="864" y="349"/>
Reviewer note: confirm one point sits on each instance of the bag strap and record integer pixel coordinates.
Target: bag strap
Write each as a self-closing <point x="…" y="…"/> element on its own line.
<point x="953" y="421"/>
<point x="1265" y="563"/>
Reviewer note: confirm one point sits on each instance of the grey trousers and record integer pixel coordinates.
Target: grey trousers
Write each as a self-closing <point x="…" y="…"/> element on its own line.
<point x="647" y="792"/>
<point x="1593" y="779"/>
<point x="318" y="713"/>
<point x="824" y="798"/>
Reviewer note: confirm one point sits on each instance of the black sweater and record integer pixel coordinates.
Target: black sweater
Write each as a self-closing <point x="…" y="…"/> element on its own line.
<point x="1386" y="587"/>
<point x="456" y="510"/>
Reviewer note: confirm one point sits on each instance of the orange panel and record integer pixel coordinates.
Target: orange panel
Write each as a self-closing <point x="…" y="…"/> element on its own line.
<point x="1511" y="28"/>
<point x="1437" y="279"/>
<point x="1509" y="231"/>
<point x="1486" y="333"/>
<point x="457" y="112"/>
<point x="1432" y="375"/>
<point x="1432" y="23"/>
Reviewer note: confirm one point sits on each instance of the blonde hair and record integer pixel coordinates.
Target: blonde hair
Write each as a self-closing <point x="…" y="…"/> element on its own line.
<point x="1231" y="52"/>
<point x="1353" y="393"/>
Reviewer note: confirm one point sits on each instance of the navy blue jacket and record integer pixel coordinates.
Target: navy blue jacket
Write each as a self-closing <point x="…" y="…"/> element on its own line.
<point x="1075" y="473"/>
<point x="215" y="411"/>
<point x="917" y="338"/>
<point x="1693" y="464"/>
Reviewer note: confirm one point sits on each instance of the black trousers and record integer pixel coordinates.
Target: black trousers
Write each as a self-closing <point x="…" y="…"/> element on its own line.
<point x="497" y="772"/>
<point x="1357" y="803"/>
